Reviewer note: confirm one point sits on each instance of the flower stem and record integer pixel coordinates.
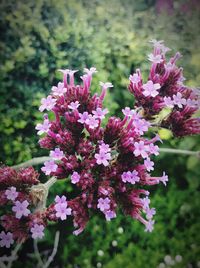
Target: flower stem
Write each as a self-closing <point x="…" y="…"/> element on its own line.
<point x="179" y="151"/>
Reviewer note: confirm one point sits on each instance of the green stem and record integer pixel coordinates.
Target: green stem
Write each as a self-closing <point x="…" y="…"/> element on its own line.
<point x="179" y="151"/>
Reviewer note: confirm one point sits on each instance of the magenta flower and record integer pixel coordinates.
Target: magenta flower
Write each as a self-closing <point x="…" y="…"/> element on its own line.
<point x="62" y="211"/>
<point x="149" y="164"/>
<point x="155" y="58"/>
<point x="11" y="193"/>
<point x="151" y="89"/>
<point x="140" y="149"/>
<point x="100" y="113"/>
<point x="60" y="90"/>
<point x="37" y="231"/>
<point x="83" y="117"/>
<point x="47" y="104"/>
<point x="75" y="177"/>
<point x="74" y="105"/>
<point x="43" y="128"/>
<point x="20" y="208"/>
<point x="6" y="239"/>
<point x="149" y="226"/>
<point x="103" y="204"/>
<point x="57" y="154"/>
<point x="102" y="158"/>
<point x="49" y="167"/>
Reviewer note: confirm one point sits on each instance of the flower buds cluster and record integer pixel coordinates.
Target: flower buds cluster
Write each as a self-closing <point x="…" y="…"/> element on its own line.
<point x="165" y="89"/>
<point x="107" y="167"/>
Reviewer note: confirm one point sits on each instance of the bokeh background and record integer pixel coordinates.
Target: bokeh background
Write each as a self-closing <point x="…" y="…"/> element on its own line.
<point x="37" y="38"/>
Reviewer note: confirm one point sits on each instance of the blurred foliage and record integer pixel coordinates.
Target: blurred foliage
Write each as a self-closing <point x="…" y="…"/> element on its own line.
<point x="39" y="37"/>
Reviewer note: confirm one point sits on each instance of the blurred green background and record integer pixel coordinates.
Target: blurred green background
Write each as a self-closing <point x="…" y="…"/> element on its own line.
<point x="37" y="38"/>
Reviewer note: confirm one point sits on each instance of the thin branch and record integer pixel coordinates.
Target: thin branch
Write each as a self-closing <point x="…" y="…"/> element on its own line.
<point x="42" y="159"/>
<point x="37" y="253"/>
<point x="55" y="249"/>
<point x="33" y="162"/>
<point x="178" y="151"/>
<point x="10" y="259"/>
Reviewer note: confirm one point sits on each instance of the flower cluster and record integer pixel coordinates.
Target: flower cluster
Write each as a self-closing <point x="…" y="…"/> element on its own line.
<point x="165" y="90"/>
<point x="108" y="167"/>
<point x="22" y="212"/>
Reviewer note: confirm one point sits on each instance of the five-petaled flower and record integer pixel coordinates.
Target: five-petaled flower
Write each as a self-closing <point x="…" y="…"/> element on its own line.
<point x="11" y="193"/>
<point x="75" y="177"/>
<point x="49" y="167"/>
<point x="47" y="104"/>
<point x="151" y="89"/>
<point x="103" y="204"/>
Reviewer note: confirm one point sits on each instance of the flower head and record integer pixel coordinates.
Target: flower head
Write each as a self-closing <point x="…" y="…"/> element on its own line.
<point x="11" y="193"/>
<point x="49" y="167"/>
<point x="151" y="89"/>
<point x="47" y="104"/>
<point x="6" y="239"/>
<point x="20" y="209"/>
<point x="37" y="231"/>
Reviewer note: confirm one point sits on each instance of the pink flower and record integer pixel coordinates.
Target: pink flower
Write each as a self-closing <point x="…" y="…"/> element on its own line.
<point x="150" y="212"/>
<point x="145" y="202"/>
<point x="103" y="204"/>
<point x="106" y="85"/>
<point x="156" y="43"/>
<point x="131" y="177"/>
<point x="102" y="158"/>
<point x="59" y="90"/>
<point x="43" y="128"/>
<point x="109" y="214"/>
<point x="178" y="100"/>
<point x="20" y="208"/>
<point x="128" y="112"/>
<point x="155" y="58"/>
<point x="74" y="105"/>
<point x="57" y="154"/>
<point x="37" y="231"/>
<point x="6" y="239"/>
<point x="92" y="122"/>
<point x="135" y="79"/>
<point x="150" y="89"/>
<point x="149" y="164"/>
<point x="75" y="177"/>
<point x="149" y="226"/>
<point x="11" y="193"/>
<point x="141" y="126"/>
<point x="90" y="71"/>
<point x="47" y="104"/>
<point x="62" y="211"/>
<point x="99" y="113"/>
<point x="164" y="179"/>
<point x="61" y="199"/>
<point x="153" y="149"/>
<point x="168" y="102"/>
<point x="83" y="117"/>
<point x="49" y="166"/>
<point x="140" y="149"/>
<point x="104" y="148"/>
